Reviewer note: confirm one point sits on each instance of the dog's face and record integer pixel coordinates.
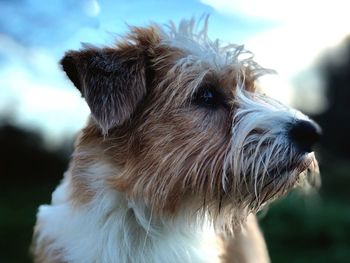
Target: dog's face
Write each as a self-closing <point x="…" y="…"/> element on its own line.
<point x="180" y="118"/>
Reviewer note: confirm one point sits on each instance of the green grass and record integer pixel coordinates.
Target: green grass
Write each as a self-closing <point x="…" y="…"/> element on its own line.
<point x="18" y="206"/>
<point x="312" y="228"/>
<point x="301" y="231"/>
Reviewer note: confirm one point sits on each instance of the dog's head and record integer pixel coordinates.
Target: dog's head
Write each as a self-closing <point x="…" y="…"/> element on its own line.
<point x="180" y="117"/>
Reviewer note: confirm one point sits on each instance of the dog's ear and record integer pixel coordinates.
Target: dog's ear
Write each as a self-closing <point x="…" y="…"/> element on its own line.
<point x="111" y="80"/>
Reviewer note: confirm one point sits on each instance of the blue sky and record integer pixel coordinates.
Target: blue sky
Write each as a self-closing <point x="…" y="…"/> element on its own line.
<point x="34" y="35"/>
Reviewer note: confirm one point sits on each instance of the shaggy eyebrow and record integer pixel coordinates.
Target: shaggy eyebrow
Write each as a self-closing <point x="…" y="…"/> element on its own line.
<point x="221" y="84"/>
<point x="212" y="81"/>
<point x="210" y="78"/>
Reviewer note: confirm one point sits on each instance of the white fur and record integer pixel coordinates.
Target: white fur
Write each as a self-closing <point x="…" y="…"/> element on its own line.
<point x="111" y="229"/>
<point x="192" y="37"/>
<point x="260" y="138"/>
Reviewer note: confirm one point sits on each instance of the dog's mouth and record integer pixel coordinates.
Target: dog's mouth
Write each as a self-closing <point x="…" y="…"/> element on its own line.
<point x="305" y="163"/>
<point x="300" y="172"/>
<point x="298" y="165"/>
<point x="294" y="168"/>
<point x="286" y="175"/>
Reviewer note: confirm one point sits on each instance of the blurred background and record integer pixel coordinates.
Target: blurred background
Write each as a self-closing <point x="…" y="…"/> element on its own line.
<point x="41" y="112"/>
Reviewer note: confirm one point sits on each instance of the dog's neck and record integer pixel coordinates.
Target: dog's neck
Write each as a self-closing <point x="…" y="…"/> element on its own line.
<point x="110" y="227"/>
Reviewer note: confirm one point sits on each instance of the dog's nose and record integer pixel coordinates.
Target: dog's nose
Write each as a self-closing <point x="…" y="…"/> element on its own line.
<point x="304" y="134"/>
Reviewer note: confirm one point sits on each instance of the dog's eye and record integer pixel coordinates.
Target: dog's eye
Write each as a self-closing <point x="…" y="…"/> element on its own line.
<point x="207" y="96"/>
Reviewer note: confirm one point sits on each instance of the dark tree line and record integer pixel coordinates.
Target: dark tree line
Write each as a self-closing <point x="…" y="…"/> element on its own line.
<point x="335" y="121"/>
<point x="25" y="158"/>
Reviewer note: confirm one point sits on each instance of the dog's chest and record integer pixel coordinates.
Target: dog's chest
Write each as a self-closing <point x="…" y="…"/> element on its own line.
<point x="108" y="230"/>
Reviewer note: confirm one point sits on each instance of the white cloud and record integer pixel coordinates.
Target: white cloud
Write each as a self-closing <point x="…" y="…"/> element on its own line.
<point x="35" y="90"/>
<point x="91" y="7"/>
<point x="53" y="107"/>
<point x="304" y="28"/>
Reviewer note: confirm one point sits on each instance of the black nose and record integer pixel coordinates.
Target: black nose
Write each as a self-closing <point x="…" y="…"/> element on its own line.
<point x="304" y="134"/>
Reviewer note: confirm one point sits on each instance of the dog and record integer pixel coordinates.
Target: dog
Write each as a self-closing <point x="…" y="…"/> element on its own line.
<point x="179" y="154"/>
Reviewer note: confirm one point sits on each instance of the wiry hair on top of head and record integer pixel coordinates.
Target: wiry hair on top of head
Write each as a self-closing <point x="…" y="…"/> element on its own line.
<point x="192" y="36"/>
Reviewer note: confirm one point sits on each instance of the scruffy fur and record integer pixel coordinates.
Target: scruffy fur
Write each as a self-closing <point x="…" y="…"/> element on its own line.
<point x="159" y="176"/>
